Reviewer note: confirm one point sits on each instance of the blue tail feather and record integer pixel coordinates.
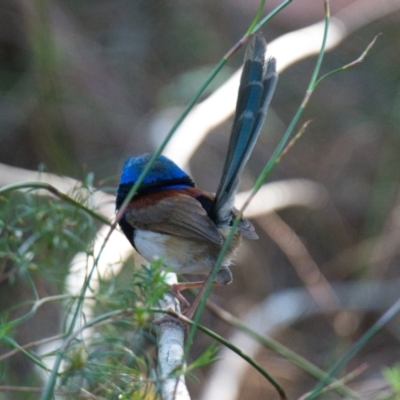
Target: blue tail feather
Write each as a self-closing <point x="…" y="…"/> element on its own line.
<point x="256" y="88"/>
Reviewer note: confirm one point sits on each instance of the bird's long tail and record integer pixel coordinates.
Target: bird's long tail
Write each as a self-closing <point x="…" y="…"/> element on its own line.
<point x="256" y="88"/>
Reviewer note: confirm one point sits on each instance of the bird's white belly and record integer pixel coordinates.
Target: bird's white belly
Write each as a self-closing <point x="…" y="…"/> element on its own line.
<point x="180" y="254"/>
<point x="151" y="245"/>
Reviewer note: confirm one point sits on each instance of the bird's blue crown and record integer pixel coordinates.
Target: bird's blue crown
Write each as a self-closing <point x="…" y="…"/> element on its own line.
<point x="163" y="174"/>
<point x="162" y="170"/>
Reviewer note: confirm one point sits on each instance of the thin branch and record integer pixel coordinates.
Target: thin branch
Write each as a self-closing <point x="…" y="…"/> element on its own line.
<point x="170" y="344"/>
<point x="237" y="350"/>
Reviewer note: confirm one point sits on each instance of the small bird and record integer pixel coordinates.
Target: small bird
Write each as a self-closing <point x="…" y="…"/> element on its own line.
<point x="172" y="219"/>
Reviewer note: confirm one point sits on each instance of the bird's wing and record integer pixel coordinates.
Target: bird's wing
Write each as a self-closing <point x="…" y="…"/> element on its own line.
<point x="179" y="215"/>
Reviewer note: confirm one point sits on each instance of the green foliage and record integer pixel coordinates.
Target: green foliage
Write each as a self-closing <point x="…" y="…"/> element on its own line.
<point x="208" y="356"/>
<point x="38" y="238"/>
<point x="116" y="362"/>
<point x="392" y="377"/>
<point x="40" y="235"/>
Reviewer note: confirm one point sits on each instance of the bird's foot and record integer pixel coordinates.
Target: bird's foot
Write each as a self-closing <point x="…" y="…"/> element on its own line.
<point x="176" y="289"/>
<point x="190" y="309"/>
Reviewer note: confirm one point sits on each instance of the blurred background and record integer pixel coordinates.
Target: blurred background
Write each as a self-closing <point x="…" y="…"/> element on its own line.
<point x="84" y="84"/>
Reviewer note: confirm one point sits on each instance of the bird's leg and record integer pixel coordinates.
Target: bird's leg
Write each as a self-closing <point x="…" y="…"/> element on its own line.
<point x="190" y="308"/>
<point x="176" y="289"/>
<point x="189" y="312"/>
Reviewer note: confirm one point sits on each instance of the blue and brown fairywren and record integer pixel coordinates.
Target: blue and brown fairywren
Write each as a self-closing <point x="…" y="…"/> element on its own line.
<point x="170" y="218"/>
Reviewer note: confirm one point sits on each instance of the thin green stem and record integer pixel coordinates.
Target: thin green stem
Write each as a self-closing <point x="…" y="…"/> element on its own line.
<point x="272" y="162"/>
<point x="350" y="65"/>
<point x="268" y="168"/>
<point x="55" y="192"/>
<point x="254" y="26"/>
<point x="365" y="338"/>
<point x="232" y="347"/>
<point x="229" y="238"/>
<point x="293" y="141"/>
<point x="280" y="349"/>
<point x="36" y="304"/>
<point x="256" y="18"/>
<point x="26" y="353"/>
<point x="48" y="389"/>
<point x="271" y="15"/>
<point x="208" y="283"/>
